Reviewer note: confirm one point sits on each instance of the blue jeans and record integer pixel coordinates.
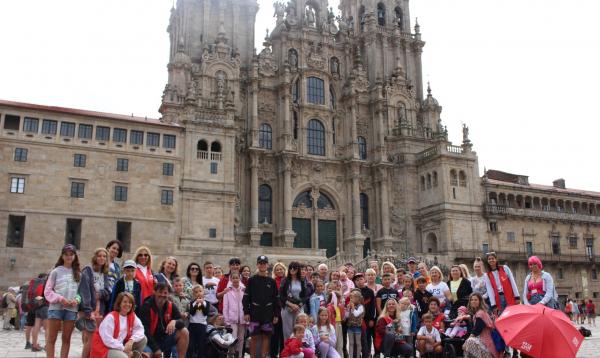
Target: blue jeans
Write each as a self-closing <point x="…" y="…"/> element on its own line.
<point x="62" y="315"/>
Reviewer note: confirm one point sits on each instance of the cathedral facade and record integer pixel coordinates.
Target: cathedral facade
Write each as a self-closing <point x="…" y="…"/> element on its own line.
<point x="324" y="145"/>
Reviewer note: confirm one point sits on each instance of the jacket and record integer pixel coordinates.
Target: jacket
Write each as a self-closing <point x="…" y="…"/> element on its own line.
<point x="150" y="309"/>
<point x="233" y="309"/>
<point x="291" y="347"/>
<point x="261" y="301"/>
<point x="284" y="292"/>
<point x="462" y="295"/>
<point x="120" y="287"/>
<point x="548" y="287"/>
<point x="87" y="292"/>
<point x="314" y="305"/>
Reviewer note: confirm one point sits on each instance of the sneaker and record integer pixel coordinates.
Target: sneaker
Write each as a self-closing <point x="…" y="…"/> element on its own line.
<point x="28" y="345"/>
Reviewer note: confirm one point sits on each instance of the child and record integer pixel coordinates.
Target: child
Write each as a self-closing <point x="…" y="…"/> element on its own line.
<point x="459" y="325"/>
<point x="385" y="293"/>
<point x="400" y="275"/>
<point x="428" y="338"/>
<point x="308" y="342"/>
<point x="199" y="309"/>
<point x="355" y="314"/>
<point x="220" y="336"/>
<point x="422" y="296"/>
<point x="337" y="311"/>
<point x="127" y="283"/>
<point x="317" y="300"/>
<point x="180" y="299"/>
<point x="292" y="347"/>
<point x="347" y="285"/>
<point x="324" y="335"/>
<point x="408" y="318"/>
<point x="409" y="294"/>
<point x="233" y="310"/>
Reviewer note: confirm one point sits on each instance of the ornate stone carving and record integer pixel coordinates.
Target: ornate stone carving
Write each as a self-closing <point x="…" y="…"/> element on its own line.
<point x="266" y="64"/>
<point x="315" y="58"/>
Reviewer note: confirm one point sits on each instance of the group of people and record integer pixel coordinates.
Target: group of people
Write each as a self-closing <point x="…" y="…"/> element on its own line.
<point x="579" y="311"/>
<point x="131" y="308"/>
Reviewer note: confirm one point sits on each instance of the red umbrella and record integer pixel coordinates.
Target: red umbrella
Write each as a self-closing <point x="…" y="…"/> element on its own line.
<point x="539" y="331"/>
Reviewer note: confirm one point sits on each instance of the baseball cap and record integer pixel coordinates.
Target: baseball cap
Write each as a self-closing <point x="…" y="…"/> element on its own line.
<point x="234" y="261"/>
<point x="262" y="259"/>
<point x="357" y="275"/>
<point x="69" y="247"/>
<point x="129" y="263"/>
<point x="411" y="260"/>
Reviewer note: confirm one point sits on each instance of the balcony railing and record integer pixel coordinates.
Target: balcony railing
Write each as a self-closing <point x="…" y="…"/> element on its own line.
<point x="499" y="209"/>
<point x="202" y="154"/>
<point x="216" y="156"/>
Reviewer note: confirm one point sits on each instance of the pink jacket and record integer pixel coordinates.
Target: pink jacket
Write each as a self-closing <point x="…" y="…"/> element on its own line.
<point x="233" y="310"/>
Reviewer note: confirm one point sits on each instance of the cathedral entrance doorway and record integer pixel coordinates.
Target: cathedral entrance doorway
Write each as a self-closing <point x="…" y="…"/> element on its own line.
<point x="315" y="225"/>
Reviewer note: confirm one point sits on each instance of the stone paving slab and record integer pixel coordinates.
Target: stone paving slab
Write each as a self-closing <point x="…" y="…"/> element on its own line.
<point x="12" y="345"/>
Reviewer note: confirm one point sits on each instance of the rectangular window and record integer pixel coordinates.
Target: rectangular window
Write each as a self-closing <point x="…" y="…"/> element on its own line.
<point x="169" y="141"/>
<point x="20" y="154"/>
<point x="266" y="239"/>
<point x="166" y="197"/>
<point x="136" y="137"/>
<point x="30" y="124"/>
<point x="168" y="169"/>
<point x="493" y="226"/>
<point x="17" y="185"/>
<point x="16" y="231"/>
<point x="555" y="245"/>
<point x="77" y="190"/>
<point x="79" y="160"/>
<point x="124" y="234"/>
<point x="120" y="193"/>
<point x="12" y="122"/>
<point x="486" y="248"/>
<point x="122" y="164"/>
<point x="561" y="273"/>
<point x="572" y="242"/>
<point x="529" y="248"/>
<point x="85" y="131"/>
<point x="594" y="274"/>
<point x="67" y="129"/>
<point x="119" y="135"/>
<point x="589" y="247"/>
<point x="596" y="294"/>
<point x="510" y="236"/>
<point x="213" y="168"/>
<point x="73" y="232"/>
<point x="577" y="294"/>
<point x="153" y="139"/>
<point x="102" y="133"/>
<point x="212" y="233"/>
<point x="49" y="126"/>
<point x="316" y="90"/>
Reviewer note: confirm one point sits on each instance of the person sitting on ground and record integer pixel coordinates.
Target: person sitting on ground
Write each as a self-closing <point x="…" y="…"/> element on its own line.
<point x="428" y="338"/>
<point x="292" y="347"/>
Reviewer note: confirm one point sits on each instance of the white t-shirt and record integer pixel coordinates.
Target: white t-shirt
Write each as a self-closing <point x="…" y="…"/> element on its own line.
<point x="210" y="292"/>
<point x="434" y="333"/>
<point x="438" y="290"/>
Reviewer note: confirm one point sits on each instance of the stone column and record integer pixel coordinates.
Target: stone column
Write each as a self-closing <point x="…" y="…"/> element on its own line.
<point x="353" y="131"/>
<point x="357" y="240"/>
<point x="385" y="207"/>
<point x="255" y="231"/>
<point x="254" y="119"/>
<point x="288" y="233"/>
<point x="315" y="194"/>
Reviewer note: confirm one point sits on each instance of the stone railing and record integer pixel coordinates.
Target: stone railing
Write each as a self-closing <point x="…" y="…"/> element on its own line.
<point x="202" y="154"/>
<point x="499" y="209"/>
<point x="454" y="149"/>
<point x="216" y="156"/>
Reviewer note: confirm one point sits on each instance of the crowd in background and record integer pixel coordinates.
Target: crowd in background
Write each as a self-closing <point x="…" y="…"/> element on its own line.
<point x="138" y="308"/>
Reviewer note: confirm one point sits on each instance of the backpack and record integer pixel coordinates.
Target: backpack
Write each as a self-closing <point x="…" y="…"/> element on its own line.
<point x="24" y="297"/>
<point x="35" y="289"/>
<point x="585" y="332"/>
<point x="4" y="303"/>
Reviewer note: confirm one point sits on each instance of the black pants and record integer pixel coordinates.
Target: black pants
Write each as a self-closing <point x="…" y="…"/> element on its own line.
<point x="367" y="341"/>
<point x="345" y="339"/>
<point x="391" y="348"/>
<point x="197" y="345"/>
<point x="277" y="339"/>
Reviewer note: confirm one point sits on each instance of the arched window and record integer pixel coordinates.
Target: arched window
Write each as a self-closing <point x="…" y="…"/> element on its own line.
<point x="295" y="120"/>
<point x="295" y="91"/>
<point x="381" y="14"/>
<point x="398" y="12"/>
<point x="462" y="178"/>
<point x="315" y="135"/>
<point x="435" y="179"/>
<point x="265" y="204"/>
<point x="215" y="147"/>
<point x="265" y="136"/>
<point x="202" y="145"/>
<point x="453" y="178"/>
<point x="324" y="202"/>
<point x="428" y="181"/>
<point x="332" y="103"/>
<point x="422" y="183"/>
<point x="362" y="148"/>
<point x="364" y="210"/>
<point x="303" y="199"/>
<point x="316" y="90"/>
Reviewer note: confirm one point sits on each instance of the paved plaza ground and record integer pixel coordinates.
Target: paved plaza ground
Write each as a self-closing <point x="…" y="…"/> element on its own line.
<point x="13" y="342"/>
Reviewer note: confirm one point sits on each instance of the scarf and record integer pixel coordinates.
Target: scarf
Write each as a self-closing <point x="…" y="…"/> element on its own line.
<point x="506" y="287"/>
<point x="99" y="349"/>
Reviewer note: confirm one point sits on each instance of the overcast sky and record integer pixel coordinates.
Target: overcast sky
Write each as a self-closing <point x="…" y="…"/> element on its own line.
<point x="523" y="74"/>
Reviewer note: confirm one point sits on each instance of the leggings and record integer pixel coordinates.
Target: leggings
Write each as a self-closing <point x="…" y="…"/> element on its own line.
<point x="354" y="344"/>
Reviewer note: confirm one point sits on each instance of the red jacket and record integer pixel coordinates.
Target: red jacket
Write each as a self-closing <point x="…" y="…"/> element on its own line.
<point x="292" y="346"/>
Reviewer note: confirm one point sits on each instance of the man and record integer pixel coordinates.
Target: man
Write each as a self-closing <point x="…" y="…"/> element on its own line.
<point x="369" y="303"/>
<point x="234" y="266"/>
<point x="210" y="283"/>
<point x="323" y="269"/>
<point x="412" y="268"/>
<point x="261" y="306"/>
<point x="163" y="325"/>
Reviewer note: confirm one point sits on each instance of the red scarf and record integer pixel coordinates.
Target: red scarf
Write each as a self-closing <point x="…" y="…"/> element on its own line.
<point x="146" y="281"/>
<point x="99" y="349"/>
<point x="437" y="322"/>
<point x="506" y="287"/>
<point x="166" y="316"/>
<point x="378" y="337"/>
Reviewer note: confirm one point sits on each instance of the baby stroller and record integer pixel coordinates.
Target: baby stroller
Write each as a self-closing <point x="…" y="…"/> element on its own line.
<point x="221" y="343"/>
<point x="452" y="346"/>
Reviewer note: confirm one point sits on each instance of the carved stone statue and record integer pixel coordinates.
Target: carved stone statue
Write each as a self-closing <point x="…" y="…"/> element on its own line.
<point x="335" y="66"/>
<point x="279" y="10"/>
<point x="310" y="16"/>
<point x="465" y="131"/>
<point x="293" y="58"/>
<point x="220" y="86"/>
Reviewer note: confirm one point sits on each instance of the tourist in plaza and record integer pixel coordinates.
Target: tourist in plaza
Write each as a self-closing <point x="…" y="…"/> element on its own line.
<point x="400" y="274"/>
<point x="355" y="311"/>
<point x="277" y="339"/>
<point x="437" y="315"/>
<point x="233" y="311"/>
<point x="143" y="271"/>
<point x="407" y="283"/>
<point x="10" y="312"/>
<point x="61" y="293"/>
<point x="193" y="276"/>
<point x="385" y="339"/>
<point x="310" y="288"/>
<point x="324" y="334"/>
<point x="169" y="270"/>
<point x="245" y="272"/>
<point x="37" y="317"/>
<point x="412" y="267"/>
<point x="127" y="283"/>
<point x="385" y="293"/>
<point x="261" y="304"/>
<point x="582" y="312"/>
<point x="478" y="279"/>
<point x="323" y="271"/>
<point x="218" y="272"/>
<point x="590" y="309"/>
<point x="438" y="288"/>
<point x="464" y="270"/>
<point x="181" y="299"/>
<point x="209" y="281"/>
<point x="115" y="251"/>
<point x="460" y="290"/>
<point x="292" y="294"/>
<point x="370" y="316"/>
<point x="371" y="277"/>
<point x="317" y="300"/>
<point x="235" y="264"/>
<point x="480" y="343"/>
<point x="422" y="296"/>
<point x="94" y="293"/>
<point x="199" y="312"/>
<point x="121" y="333"/>
<point x="163" y="326"/>
<point x="388" y="267"/>
<point x="539" y="285"/>
<point x="423" y="271"/>
<point x="500" y="284"/>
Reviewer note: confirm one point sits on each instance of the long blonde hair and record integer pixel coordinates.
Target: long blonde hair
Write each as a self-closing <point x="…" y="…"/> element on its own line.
<point x="104" y="268"/>
<point x="137" y="253"/>
<point x="435" y="268"/>
<point x="388" y="263"/>
<point x="384" y="312"/>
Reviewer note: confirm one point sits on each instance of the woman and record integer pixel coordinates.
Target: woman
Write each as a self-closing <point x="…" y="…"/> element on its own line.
<point x="143" y="271"/>
<point x="500" y="284"/>
<point x="121" y="333"/>
<point x="388" y="267"/>
<point x="464" y="270"/>
<point x="423" y="272"/>
<point x="371" y="276"/>
<point x="478" y="279"/>
<point x="292" y="294"/>
<point x="460" y="289"/>
<point x="389" y="334"/>
<point x="480" y="343"/>
<point x="246" y="272"/>
<point x="115" y="250"/>
<point x="94" y="293"/>
<point x="438" y="288"/>
<point x="539" y="285"/>
<point x="193" y="276"/>
<point x="61" y="293"/>
<point x="374" y="265"/>
<point x="169" y="270"/>
<point x="437" y="314"/>
<point x="279" y="273"/>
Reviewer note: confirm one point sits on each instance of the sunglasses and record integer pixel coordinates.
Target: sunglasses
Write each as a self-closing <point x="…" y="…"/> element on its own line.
<point x="194" y="269"/>
<point x="143" y="255"/>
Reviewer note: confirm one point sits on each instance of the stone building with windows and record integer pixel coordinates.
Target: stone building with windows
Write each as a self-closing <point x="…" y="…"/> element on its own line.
<point x="325" y="143"/>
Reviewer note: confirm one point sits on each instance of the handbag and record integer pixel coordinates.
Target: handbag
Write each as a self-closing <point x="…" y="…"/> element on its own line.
<point x="498" y="340"/>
